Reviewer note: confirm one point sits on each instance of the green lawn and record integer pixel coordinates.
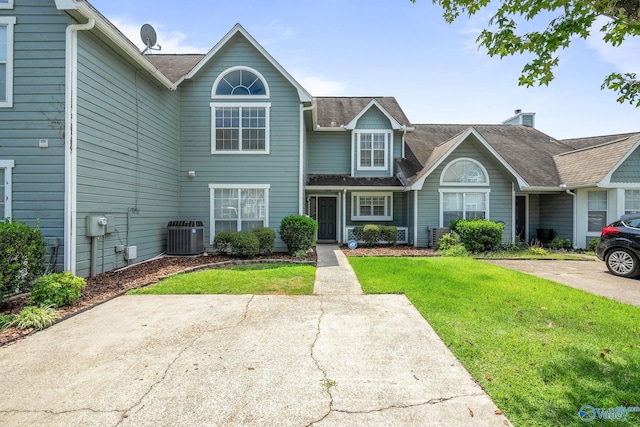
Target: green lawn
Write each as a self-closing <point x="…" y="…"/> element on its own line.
<point x="289" y="279"/>
<point x="540" y="349"/>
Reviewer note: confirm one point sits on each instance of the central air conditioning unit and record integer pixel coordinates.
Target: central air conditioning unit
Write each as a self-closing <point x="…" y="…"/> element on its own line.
<point x="436" y="234"/>
<point x="185" y="238"/>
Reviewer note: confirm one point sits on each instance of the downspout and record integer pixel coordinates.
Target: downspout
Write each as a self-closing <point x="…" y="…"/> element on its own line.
<point x="301" y="163"/>
<point x="415" y="218"/>
<point x="71" y="152"/>
<point x="344" y="236"/>
<point x="513" y="212"/>
<point x="575" y="214"/>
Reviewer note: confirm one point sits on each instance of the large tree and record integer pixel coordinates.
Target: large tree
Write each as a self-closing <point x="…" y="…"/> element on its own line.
<point x="569" y="19"/>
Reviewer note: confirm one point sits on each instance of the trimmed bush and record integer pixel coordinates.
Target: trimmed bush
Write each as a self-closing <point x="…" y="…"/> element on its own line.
<point x="389" y="233"/>
<point x="371" y="234"/>
<point x="57" y="290"/>
<point x="559" y="243"/>
<point x="298" y="232"/>
<point x="222" y="241"/>
<point x="479" y="235"/>
<point x="358" y="232"/>
<point x="245" y="244"/>
<point x="267" y="239"/>
<point x="22" y="250"/>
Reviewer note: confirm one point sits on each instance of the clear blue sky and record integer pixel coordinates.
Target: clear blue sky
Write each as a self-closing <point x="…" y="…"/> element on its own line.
<point x="397" y="48"/>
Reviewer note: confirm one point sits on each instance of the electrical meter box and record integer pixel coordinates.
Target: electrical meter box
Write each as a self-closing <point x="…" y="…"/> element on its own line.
<point x="96" y="225"/>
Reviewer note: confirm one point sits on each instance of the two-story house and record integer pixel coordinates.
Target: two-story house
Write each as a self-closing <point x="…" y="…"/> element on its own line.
<point x="104" y="146"/>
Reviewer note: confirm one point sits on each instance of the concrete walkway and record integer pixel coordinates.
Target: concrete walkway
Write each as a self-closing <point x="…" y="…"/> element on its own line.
<point x="337" y="358"/>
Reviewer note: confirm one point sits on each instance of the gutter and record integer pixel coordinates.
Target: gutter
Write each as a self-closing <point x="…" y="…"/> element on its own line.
<point x="102" y="24"/>
<point x="71" y="152"/>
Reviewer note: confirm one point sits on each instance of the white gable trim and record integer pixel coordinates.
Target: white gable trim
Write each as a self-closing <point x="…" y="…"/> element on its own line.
<point x="471" y="131"/>
<point x="606" y="181"/>
<point x="394" y="123"/>
<point x="302" y="93"/>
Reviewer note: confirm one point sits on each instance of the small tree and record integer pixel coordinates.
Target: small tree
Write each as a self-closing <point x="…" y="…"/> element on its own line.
<point x="298" y="232"/>
<point x="22" y="251"/>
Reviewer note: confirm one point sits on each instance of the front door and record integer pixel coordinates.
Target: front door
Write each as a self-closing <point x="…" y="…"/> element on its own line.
<point x="521" y="218"/>
<point x="327" y="218"/>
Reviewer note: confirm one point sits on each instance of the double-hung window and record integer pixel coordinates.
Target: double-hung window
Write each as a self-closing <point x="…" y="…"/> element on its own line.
<point x="373" y="149"/>
<point x="239" y="207"/>
<point x="631" y="201"/>
<point x="240" y="122"/>
<point x="6" y="59"/>
<point x="373" y="206"/>
<point x="470" y="204"/>
<point x="597" y="211"/>
<point x="6" y="167"/>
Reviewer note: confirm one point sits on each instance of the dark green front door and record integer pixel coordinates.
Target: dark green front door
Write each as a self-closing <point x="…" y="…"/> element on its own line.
<point x="327" y="218"/>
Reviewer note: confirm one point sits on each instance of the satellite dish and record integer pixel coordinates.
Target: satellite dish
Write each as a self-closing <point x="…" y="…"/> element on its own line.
<point x="149" y="38"/>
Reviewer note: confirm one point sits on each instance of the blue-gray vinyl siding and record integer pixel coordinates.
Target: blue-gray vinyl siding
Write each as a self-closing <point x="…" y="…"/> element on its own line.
<point x="37" y="113"/>
<point x="329" y="153"/>
<point x="128" y="157"/>
<point x="500" y="197"/>
<point x="554" y="212"/>
<point x="279" y="169"/>
<point x="629" y="170"/>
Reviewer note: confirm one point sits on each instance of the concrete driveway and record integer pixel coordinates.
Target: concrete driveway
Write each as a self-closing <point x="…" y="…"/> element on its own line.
<point x="591" y="276"/>
<point x="336" y="359"/>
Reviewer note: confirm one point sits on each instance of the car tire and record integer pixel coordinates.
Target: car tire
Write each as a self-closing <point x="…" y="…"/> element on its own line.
<point x="622" y="262"/>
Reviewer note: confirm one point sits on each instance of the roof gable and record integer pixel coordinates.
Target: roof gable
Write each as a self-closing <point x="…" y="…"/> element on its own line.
<point x="239" y="30"/>
<point x="341" y="113"/>
<point x="373" y="104"/>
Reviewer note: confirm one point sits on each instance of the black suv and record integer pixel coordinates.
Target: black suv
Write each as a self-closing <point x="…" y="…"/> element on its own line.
<point x="619" y="246"/>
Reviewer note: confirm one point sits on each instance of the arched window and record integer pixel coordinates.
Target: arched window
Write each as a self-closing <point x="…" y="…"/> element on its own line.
<point x="464" y="172"/>
<point x="240" y="81"/>
<point x="240" y="113"/>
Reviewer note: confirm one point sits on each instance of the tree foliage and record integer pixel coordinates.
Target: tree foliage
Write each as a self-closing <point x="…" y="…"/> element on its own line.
<point x="570" y="19"/>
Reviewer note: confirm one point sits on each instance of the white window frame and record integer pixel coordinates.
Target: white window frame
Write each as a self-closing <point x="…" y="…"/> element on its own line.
<point x="241" y="68"/>
<point x="626" y="195"/>
<point x="388" y="206"/>
<point x="7" y="5"/>
<point x="606" y="210"/>
<point x="8" y="166"/>
<point x="241" y="105"/>
<point x="464" y="191"/>
<point x="213" y="187"/>
<point x="9" y="22"/>
<point x="388" y="139"/>
<point x="465" y="184"/>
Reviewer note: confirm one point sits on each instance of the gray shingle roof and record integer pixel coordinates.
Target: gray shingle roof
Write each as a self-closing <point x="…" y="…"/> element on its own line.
<point x="528" y="151"/>
<point x="342" y="110"/>
<point x="175" y="66"/>
<point x="349" y="181"/>
<point x="578" y="143"/>
<point x="588" y="166"/>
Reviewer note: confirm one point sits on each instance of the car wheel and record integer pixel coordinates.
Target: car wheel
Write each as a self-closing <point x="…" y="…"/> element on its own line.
<point x="622" y="262"/>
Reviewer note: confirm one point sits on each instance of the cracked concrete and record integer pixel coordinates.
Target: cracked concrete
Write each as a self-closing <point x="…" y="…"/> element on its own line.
<point x="338" y="358"/>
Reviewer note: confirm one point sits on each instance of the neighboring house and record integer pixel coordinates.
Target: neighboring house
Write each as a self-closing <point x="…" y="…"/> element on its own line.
<point x="90" y="129"/>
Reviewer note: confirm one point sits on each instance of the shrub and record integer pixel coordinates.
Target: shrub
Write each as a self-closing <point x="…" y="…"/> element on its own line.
<point x="371" y="234"/>
<point x="560" y="243"/>
<point x="447" y="241"/>
<point x="389" y="233"/>
<point x="267" y="239"/>
<point x="222" y="241"/>
<point x="57" y="290"/>
<point x="300" y="253"/>
<point x="479" y="235"/>
<point x="34" y="317"/>
<point x="455" y="250"/>
<point x="592" y="244"/>
<point x="22" y="250"/>
<point x="245" y="244"/>
<point x="537" y="250"/>
<point x="298" y="232"/>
